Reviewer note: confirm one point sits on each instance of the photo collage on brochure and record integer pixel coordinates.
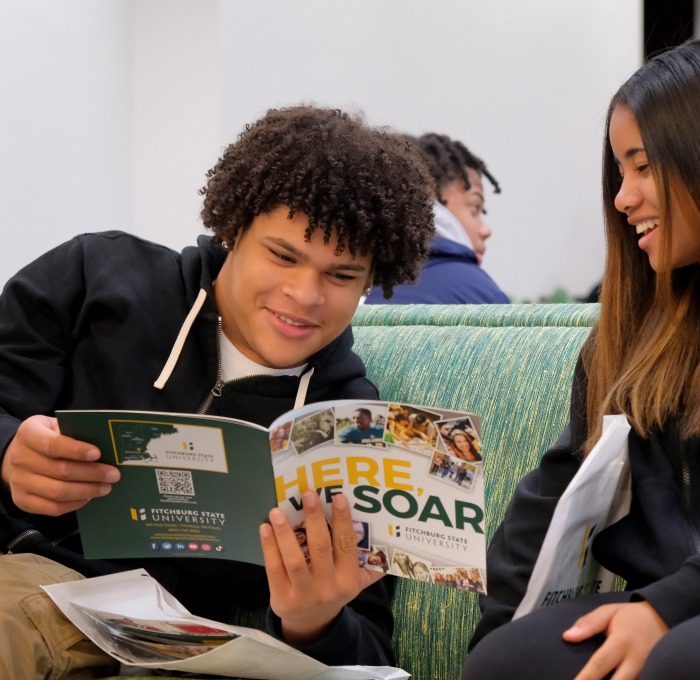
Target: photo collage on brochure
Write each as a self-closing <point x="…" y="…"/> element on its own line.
<point x="452" y="451"/>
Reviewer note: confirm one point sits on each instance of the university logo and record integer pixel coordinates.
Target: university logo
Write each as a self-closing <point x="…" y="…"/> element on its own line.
<point x="394" y="530"/>
<point x="586" y="545"/>
<point x="138" y="515"/>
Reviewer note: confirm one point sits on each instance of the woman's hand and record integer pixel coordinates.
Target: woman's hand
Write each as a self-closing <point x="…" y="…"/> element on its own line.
<point x="309" y="596"/>
<point x="632" y="629"/>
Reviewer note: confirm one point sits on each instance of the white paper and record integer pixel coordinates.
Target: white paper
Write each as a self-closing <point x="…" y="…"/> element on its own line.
<point x="252" y="655"/>
<point x="597" y="496"/>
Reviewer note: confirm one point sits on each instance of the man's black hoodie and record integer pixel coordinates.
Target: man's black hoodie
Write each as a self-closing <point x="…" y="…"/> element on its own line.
<point x="91" y="325"/>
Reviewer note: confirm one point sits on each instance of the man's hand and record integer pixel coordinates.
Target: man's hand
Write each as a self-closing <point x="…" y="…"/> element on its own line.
<point x="49" y="474"/>
<point x="308" y="596"/>
<point x="631" y="629"/>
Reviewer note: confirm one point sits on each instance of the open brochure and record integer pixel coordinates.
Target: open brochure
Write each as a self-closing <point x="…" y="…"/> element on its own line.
<point x="598" y="496"/>
<point x="135" y="620"/>
<point x="200" y="486"/>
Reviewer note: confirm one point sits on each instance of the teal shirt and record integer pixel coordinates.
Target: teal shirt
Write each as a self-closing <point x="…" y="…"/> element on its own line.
<point x="354" y="435"/>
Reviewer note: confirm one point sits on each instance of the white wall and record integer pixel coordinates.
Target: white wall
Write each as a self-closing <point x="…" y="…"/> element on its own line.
<point x="177" y="114"/>
<point x="115" y="113"/>
<point x="525" y="85"/>
<point x="66" y="153"/>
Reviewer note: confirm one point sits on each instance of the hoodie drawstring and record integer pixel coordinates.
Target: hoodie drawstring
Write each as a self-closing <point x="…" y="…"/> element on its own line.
<point x="180" y="340"/>
<point x="303" y="388"/>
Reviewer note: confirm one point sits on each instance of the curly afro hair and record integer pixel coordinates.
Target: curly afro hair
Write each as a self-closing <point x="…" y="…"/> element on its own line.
<point x="368" y="185"/>
<point x="448" y="160"/>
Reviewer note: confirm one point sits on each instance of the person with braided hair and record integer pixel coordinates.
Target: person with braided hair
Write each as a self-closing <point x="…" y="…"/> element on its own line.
<point x="453" y="273"/>
<point x="306" y="208"/>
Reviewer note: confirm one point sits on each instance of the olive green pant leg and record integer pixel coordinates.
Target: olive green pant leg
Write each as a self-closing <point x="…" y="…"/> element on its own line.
<point x="36" y="639"/>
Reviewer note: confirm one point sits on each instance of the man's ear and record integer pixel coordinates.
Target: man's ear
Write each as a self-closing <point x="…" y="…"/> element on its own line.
<point x="233" y="244"/>
<point x="369" y="283"/>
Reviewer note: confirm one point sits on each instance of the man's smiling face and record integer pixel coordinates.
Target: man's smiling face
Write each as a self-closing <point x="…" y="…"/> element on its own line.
<point x="283" y="298"/>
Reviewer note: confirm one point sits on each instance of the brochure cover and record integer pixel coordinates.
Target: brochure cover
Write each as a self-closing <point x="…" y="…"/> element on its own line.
<point x="200" y="486"/>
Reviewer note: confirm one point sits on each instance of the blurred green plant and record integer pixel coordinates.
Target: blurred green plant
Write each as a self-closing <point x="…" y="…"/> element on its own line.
<point x="559" y="295"/>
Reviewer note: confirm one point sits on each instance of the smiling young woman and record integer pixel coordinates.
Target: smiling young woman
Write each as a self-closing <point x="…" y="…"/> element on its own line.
<point x="641" y="360"/>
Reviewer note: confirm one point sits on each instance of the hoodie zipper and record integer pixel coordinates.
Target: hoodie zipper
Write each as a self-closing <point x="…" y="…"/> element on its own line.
<point x="28" y="533"/>
<point x="220" y="383"/>
<point x="687" y="497"/>
<point x="17" y="540"/>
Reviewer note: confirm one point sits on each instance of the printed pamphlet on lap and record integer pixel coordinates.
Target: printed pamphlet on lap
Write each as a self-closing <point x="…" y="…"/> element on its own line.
<point x="135" y="620"/>
<point x="200" y="486"/>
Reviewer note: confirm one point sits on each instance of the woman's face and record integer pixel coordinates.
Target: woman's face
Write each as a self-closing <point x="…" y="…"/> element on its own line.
<point x="462" y="443"/>
<point x="638" y="197"/>
<point x="420" y="571"/>
<point x="375" y="560"/>
<point x="326" y="424"/>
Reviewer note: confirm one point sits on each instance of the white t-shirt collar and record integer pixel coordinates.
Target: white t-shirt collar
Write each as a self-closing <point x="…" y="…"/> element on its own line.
<point x="236" y="365"/>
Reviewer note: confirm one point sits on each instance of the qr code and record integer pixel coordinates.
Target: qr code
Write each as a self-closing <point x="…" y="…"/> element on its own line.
<point x="177" y="482"/>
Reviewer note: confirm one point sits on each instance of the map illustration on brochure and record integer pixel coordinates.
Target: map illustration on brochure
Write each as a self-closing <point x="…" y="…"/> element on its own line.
<point x="200" y="486"/>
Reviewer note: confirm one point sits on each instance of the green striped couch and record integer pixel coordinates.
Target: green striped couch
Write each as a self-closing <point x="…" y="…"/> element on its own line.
<point x="512" y="365"/>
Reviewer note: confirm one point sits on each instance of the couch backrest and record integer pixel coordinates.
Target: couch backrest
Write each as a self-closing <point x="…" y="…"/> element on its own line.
<point x="510" y="364"/>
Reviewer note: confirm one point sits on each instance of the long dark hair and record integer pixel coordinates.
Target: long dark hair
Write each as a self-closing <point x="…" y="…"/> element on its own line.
<point x="643" y="357"/>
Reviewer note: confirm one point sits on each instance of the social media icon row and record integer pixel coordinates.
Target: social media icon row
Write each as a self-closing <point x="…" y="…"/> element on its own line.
<point x="183" y="546"/>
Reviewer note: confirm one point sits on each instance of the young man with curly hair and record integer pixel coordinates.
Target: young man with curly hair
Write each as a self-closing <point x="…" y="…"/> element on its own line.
<point x="307" y="208"/>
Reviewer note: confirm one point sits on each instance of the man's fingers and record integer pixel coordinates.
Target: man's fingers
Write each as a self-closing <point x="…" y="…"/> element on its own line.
<point x="39" y="447"/>
<point x="82" y="472"/>
<point x="36" y="466"/>
<point x="45" y="437"/>
<point x="41" y="435"/>
<point x="44" y="495"/>
<point x="44" y="506"/>
<point x="344" y="536"/>
<point x="50" y="474"/>
<point x="274" y="564"/>
<point x="318" y="535"/>
<point x="61" y="492"/>
<point x="292" y="558"/>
